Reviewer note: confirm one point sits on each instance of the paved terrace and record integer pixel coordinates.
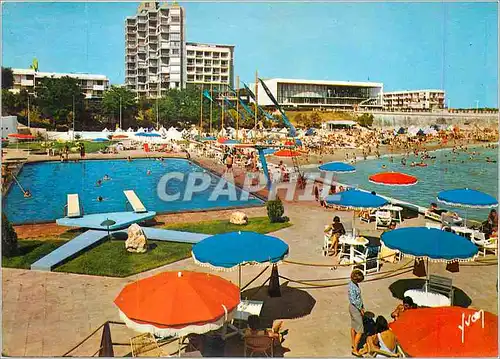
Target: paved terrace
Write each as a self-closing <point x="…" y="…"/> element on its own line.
<point x="47" y="313"/>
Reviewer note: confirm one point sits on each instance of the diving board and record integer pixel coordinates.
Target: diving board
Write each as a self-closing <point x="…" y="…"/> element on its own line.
<point x="93" y="221"/>
<point x="158" y="234"/>
<point x="73" y="206"/>
<point x="69" y="249"/>
<point x="134" y="201"/>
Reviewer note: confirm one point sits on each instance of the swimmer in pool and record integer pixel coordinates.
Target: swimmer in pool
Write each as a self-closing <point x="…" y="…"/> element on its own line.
<point x="384" y="166"/>
<point x="106" y="178"/>
<point x="413" y="164"/>
<point x="99" y="199"/>
<point x="27" y="194"/>
<point x="98" y="183"/>
<point x="148" y="172"/>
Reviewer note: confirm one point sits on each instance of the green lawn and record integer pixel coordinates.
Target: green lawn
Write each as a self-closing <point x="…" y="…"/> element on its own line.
<point x="90" y="147"/>
<point x="255" y="224"/>
<point x="112" y="259"/>
<point x="30" y="251"/>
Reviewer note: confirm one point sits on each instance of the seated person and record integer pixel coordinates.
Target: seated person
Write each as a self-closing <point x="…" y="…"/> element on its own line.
<point x="335" y="230"/>
<point x="407" y="304"/>
<point x="384" y="339"/>
<point x="490" y="226"/>
<point x="254" y="329"/>
<point x="433" y="208"/>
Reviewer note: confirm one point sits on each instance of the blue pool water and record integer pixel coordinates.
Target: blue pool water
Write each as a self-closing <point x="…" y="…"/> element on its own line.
<point x="447" y="171"/>
<point x="50" y="182"/>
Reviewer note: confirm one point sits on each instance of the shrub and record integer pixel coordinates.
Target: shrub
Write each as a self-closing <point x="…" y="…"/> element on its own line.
<point x="9" y="238"/>
<point x="77" y="136"/>
<point x="275" y="210"/>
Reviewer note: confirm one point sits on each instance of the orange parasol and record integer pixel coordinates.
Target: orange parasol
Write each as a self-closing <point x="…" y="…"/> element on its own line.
<point x="178" y="303"/>
<point x="447" y="332"/>
<point x="393" y="179"/>
<point x="287" y="153"/>
<point x="21" y="136"/>
<point x="119" y="136"/>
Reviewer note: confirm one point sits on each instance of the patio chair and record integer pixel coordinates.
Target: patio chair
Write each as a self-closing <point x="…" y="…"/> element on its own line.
<point x="490" y="244"/>
<point x="259" y="344"/>
<point x="367" y="260"/>
<point x="327" y="244"/>
<point x="440" y="285"/>
<point x="382" y="219"/>
<point x="145" y="345"/>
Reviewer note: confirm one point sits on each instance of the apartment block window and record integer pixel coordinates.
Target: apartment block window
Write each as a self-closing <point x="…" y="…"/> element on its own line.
<point x="175" y="51"/>
<point x="175" y="36"/>
<point x="176" y="19"/>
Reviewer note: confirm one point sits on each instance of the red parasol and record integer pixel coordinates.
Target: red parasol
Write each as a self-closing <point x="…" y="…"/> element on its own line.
<point x="447" y="332"/>
<point x="287" y="153"/>
<point x="21" y="136"/>
<point x="222" y="139"/>
<point x="178" y="303"/>
<point x="393" y="179"/>
<point x="289" y="143"/>
<point x="119" y="136"/>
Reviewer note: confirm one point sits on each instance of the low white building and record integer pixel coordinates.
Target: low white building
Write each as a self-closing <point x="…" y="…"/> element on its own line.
<point x="8" y="125"/>
<point x="93" y="86"/>
<point x="414" y="100"/>
<point x="321" y="93"/>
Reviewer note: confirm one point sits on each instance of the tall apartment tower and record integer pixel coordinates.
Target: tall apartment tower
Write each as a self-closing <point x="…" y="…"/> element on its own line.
<point x="155" y="49"/>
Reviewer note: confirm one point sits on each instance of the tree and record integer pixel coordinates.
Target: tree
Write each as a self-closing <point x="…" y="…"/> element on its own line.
<point x="55" y="98"/>
<point x="111" y="105"/>
<point x="9" y="238"/>
<point x="9" y="103"/>
<point x="315" y="120"/>
<point x="365" y="120"/>
<point x="7" y="78"/>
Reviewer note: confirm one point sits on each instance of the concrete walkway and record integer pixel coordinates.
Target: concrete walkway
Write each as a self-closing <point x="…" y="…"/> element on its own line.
<point x="45" y="313"/>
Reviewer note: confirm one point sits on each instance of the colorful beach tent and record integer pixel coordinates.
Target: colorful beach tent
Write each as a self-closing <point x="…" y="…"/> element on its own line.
<point x="393" y="179"/>
<point x="430" y="243"/>
<point x="337" y="167"/>
<point x="447" y="332"/>
<point x="178" y="303"/>
<point x="468" y="198"/>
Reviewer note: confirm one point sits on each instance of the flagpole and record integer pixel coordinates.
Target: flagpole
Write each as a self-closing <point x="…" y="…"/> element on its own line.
<point x="237" y="106"/>
<point x="201" y="109"/>
<point x="222" y="115"/>
<point x="256" y="96"/>
<point x="211" y="94"/>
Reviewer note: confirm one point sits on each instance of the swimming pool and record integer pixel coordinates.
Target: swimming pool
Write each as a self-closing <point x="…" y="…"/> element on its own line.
<point x="446" y="171"/>
<point x="50" y="182"/>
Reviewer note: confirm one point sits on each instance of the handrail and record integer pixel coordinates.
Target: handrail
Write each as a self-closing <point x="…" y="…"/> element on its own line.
<point x="90" y="335"/>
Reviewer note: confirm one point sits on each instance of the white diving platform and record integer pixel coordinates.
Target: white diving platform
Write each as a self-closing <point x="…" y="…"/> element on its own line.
<point x="93" y="221"/>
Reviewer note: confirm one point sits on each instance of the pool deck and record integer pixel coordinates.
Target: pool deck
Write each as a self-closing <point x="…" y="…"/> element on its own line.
<point x="47" y="313"/>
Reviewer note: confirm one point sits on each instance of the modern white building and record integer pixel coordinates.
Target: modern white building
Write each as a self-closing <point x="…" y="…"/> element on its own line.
<point x="414" y="100"/>
<point x="93" y="86"/>
<point x="210" y="64"/>
<point x="155" y="49"/>
<point x="318" y="93"/>
<point x="8" y="125"/>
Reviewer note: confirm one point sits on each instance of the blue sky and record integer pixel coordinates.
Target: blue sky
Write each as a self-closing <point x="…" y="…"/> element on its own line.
<point x="403" y="45"/>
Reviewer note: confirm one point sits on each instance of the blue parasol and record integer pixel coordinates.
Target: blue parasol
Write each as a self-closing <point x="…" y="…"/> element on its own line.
<point x="356" y="199"/>
<point x="269" y="151"/>
<point x="209" y="138"/>
<point x="100" y="140"/>
<point x="338" y="167"/>
<point x="230" y="250"/>
<point x="467" y="198"/>
<point x="430" y="243"/>
<point x="231" y="142"/>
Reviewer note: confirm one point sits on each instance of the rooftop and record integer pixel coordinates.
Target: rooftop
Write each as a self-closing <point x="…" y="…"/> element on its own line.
<point x="59" y="74"/>
<point x="326" y="82"/>
<point x="411" y="91"/>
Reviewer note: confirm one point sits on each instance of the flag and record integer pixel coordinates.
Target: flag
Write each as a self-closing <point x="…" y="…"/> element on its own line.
<point x="250" y="93"/>
<point x="290" y="127"/>
<point x="247" y="109"/>
<point x="207" y="95"/>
